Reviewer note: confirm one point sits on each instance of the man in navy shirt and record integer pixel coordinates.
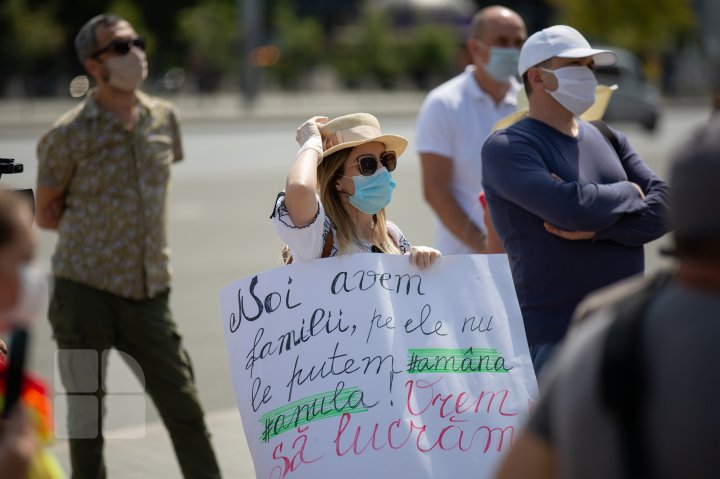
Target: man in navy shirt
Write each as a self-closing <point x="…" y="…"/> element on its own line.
<point x="573" y="214"/>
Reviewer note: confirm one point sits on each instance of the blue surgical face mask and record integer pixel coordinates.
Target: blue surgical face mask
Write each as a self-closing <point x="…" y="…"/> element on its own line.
<point x="503" y="63"/>
<point x="374" y="192"/>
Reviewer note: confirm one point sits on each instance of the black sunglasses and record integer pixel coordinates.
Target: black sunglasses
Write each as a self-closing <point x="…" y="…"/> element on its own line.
<point x="368" y="164"/>
<point x="121" y="47"/>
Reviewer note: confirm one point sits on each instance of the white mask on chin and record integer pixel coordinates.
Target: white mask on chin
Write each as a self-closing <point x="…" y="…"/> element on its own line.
<point x="576" y="88"/>
<point x="31" y="300"/>
<point x="127" y="71"/>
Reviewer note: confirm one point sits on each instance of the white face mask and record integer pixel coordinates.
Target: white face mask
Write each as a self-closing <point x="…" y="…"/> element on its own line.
<point x="127" y="71"/>
<point x="32" y="298"/>
<point x="576" y="88"/>
<point x="33" y="291"/>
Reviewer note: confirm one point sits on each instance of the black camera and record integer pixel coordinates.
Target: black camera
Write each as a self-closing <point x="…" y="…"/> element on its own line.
<point x="9" y="167"/>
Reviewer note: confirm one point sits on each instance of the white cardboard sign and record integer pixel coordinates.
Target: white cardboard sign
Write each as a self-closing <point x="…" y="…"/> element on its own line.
<point x="364" y="366"/>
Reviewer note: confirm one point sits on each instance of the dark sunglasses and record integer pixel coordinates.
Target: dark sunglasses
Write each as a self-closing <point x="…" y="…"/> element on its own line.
<point x="121" y="47"/>
<point x="368" y="164"/>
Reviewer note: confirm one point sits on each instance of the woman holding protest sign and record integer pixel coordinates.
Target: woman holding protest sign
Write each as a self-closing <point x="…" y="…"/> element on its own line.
<point x="337" y="190"/>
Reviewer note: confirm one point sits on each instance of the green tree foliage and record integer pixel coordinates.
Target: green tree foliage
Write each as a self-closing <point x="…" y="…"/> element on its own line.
<point x="31" y="43"/>
<point x="639" y="25"/>
<point x="372" y="48"/>
<point x="377" y="49"/>
<point x="33" y="37"/>
<point x="431" y="51"/>
<point x="210" y="32"/>
<point x="380" y="48"/>
<point x="128" y="10"/>
<point x="300" y="42"/>
<point x="347" y="62"/>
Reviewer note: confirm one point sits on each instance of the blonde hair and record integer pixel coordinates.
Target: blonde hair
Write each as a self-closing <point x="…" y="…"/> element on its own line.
<point x="331" y="167"/>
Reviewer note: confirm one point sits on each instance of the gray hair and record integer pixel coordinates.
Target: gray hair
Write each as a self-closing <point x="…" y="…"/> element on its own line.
<point x="86" y="40"/>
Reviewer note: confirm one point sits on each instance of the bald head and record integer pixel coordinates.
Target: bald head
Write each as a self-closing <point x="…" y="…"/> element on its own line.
<point x="494" y="21"/>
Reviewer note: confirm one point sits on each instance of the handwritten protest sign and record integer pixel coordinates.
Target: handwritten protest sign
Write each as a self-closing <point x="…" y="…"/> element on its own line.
<point x="364" y="366"/>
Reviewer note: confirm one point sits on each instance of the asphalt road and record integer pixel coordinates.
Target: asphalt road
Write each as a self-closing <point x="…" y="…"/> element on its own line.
<point x="221" y="199"/>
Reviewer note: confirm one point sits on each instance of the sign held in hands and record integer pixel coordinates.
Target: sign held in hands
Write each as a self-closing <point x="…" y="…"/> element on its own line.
<point x="365" y="366"/>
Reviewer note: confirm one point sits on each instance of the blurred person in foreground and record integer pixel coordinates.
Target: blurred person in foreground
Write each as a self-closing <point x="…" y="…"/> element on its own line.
<point x="454" y="122"/>
<point x="667" y="380"/>
<point x="18" y="441"/>
<point x="572" y="210"/>
<point x="17" y="250"/>
<point x="22" y="294"/>
<point x="103" y="179"/>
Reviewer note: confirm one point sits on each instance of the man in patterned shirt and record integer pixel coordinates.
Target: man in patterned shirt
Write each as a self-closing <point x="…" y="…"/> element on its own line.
<point x="103" y="178"/>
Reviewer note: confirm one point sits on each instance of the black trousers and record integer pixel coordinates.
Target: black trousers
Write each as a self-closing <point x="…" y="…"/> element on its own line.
<point x="87" y="323"/>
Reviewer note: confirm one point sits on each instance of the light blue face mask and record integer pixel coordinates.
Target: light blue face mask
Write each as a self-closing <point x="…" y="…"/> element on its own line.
<point x="374" y="192"/>
<point x="503" y="63"/>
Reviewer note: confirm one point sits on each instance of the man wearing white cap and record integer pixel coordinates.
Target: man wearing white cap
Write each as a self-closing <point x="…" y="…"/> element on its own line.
<point x="454" y="122"/>
<point x="573" y="214"/>
<point x="633" y="393"/>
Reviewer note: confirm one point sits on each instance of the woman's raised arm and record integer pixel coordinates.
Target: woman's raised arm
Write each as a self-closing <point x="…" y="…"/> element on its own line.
<point x="302" y="178"/>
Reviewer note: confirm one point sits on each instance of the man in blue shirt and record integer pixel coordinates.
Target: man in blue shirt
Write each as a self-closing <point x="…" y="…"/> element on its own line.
<point x="573" y="214"/>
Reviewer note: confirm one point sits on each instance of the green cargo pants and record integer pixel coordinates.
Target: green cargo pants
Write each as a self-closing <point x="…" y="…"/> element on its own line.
<point x="87" y="323"/>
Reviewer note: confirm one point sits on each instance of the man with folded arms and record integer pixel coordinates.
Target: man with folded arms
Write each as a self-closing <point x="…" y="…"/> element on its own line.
<point x="573" y="211"/>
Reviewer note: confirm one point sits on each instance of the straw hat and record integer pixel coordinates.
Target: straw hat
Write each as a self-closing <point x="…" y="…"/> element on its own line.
<point x="356" y="129"/>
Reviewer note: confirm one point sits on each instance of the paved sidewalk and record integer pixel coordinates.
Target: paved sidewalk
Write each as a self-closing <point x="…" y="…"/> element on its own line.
<point x="152" y="456"/>
<point x="19" y="113"/>
<point x="42" y="112"/>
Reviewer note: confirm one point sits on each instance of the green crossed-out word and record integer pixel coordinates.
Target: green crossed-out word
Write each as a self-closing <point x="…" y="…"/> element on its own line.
<point x="309" y="409"/>
<point x="470" y="360"/>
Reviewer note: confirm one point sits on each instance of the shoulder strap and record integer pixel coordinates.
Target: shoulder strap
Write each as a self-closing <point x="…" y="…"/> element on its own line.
<point x="327" y="246"/>
<point x="327" y="249"/>
<point x="608" y="134"/>
<point x="623" y="375"/>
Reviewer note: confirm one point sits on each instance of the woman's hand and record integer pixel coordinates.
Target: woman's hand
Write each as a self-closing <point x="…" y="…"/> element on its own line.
<point x="308" y="135"/>
<point x="423" y="256"/>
